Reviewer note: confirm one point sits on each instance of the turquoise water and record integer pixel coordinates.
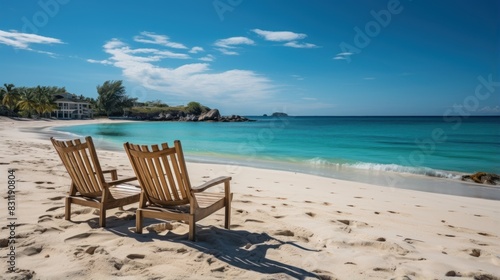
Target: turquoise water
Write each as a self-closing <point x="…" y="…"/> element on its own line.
<point x="431" y="146"/>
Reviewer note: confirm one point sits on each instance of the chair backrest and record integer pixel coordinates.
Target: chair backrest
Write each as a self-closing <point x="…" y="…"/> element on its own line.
<point x="161" y="172"/>
<point x="82" y="164"/>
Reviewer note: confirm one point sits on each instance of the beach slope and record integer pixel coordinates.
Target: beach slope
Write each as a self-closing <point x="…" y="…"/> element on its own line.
<point x="284" y="226"/>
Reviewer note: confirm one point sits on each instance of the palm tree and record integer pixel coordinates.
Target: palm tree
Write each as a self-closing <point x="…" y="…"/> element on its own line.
<point x="112" y="97"/>
<point x="44" y="99"/>
<point x="10" y="97"/>
<point x="27" y="101"/>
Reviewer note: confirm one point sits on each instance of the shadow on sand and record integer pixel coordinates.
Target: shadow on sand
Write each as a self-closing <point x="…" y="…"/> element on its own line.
<point x="238" y="248"/>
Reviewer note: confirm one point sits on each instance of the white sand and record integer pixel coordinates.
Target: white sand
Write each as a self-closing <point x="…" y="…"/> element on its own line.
<point x="284" y="226"/>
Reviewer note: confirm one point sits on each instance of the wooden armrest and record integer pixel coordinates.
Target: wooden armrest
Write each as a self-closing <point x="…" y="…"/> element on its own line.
<point x="114" y="173"/>
<point x="117" y="182"/>
<point x="211" y="183"/>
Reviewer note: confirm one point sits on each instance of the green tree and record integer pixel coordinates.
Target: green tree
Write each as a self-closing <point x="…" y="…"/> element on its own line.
<point x="44" y="99"/>
<point x="10" y="97"/>
<point x="112" y="98"/>
<point x="27" y="101"/>
<point x="194" y="108"/>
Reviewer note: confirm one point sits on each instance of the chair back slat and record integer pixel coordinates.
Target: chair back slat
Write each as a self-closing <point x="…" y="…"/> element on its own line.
<point x="182" y="165"/>
<point x="86" y="169"/>
<point x="169" y="175"/>
<point x="142" y="168"/>
<point x="161" y="171"/>
<point x="80" y="160"/>
<point x="159" y="174"/>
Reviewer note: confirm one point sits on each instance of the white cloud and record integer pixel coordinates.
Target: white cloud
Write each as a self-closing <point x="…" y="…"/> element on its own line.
<point x="152" y="38"/>
<point x="343" y="55"/>
<point x="24" y="40"/>
<point x="227" y="46"/>
<point x="295" y="44"/>
<point x="104" y="61"/>
<point x="291" y="38"/>
<point x="227" y="52"/>
<point x="231" y="42"/>
<point x="208" y="58"/>
<point x="196" y="50"/>
<point x="298" y="77"/>
<point x="279" y="36"/>
<point x="193" y="81"/>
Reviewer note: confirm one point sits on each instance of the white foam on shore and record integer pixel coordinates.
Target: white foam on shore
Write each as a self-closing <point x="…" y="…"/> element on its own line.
<point x="320" y="162"/>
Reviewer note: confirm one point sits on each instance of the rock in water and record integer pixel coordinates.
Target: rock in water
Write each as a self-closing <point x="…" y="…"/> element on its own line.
<point x="483" y="178"/>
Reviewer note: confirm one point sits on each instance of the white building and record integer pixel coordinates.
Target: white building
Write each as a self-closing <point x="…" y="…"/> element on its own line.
<point x="70" y="108"/>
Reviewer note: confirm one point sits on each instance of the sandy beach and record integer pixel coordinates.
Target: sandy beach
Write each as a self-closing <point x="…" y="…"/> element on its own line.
<point x="284" y="226"/>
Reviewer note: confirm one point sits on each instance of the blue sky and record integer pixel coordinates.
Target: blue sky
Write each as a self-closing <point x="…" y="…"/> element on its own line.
<point x="251" y="57"/>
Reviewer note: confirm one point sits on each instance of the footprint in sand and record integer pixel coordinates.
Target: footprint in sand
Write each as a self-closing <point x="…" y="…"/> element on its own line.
<point x="30" y="251"/>
<point x="324" y="275"/>
<point x="411" y="241"/>
<point x="45" y="218"/>
<point x="136" y="256"/>
<point x="45" y="188"/>
<point x="285" y="232"/>
<point x="475" y="253"/>
<point x="478" y="242"/>
<point x="56" y="198"/>
<point x="78" y="236"/>
<point x="54" y="208"/>
<point x="351" y="223"/>
<point x="254" y="221"/>
<point x="310" y="214"/>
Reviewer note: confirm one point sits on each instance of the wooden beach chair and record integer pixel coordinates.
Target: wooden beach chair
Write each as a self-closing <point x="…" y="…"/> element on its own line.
<point x="88" y="184"/>
<point x="166" y="190"/>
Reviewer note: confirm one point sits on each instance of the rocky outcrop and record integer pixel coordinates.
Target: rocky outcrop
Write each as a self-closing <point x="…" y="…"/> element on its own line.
<point x="235" y="118"/>
<point x="212" y="115"/>
<point x="483" y="178"/>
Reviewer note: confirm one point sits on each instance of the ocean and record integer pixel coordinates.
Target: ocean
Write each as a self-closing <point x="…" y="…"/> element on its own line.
<point x="338" y="147"/>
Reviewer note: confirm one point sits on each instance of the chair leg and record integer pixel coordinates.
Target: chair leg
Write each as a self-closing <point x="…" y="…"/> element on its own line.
<point x="67" y="214"/>
<point x="102" y="216"/>
<point x="192" y="228"/>
<point x="138" y="221"/>
<point x="227" y="220"/>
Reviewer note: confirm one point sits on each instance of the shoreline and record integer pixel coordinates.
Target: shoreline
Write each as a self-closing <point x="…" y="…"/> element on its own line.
<point x="285" y="225"/>
<point x="418" y="182"/>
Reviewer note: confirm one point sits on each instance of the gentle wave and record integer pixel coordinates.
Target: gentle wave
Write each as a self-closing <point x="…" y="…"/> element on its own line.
<point x="386" y="168"/>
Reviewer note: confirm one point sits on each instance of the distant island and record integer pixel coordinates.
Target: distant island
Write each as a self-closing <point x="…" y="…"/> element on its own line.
<point x="279" y="114"/>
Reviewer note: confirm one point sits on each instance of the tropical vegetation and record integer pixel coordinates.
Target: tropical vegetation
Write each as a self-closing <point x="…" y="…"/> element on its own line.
<point x="112" y="100"/>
